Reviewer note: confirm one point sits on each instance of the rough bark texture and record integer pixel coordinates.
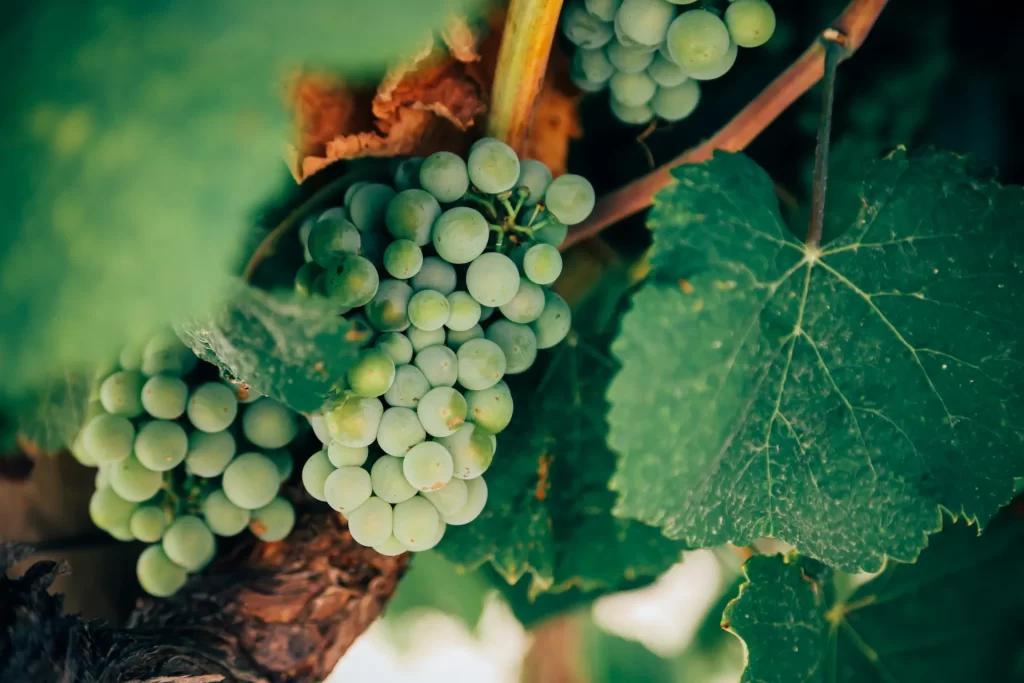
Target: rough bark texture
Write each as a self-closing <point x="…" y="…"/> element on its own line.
<point x="264" y="612"/>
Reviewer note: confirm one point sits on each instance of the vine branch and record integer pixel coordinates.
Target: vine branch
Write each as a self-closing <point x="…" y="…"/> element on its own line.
<point x="855" y="23"/>
<point x="833" y="52"/>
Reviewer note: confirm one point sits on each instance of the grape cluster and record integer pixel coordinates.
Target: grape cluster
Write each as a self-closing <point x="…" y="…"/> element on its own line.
<point x="166" y="444"/>
<point x="450" y="268"/>
<point x="651" y="58"/>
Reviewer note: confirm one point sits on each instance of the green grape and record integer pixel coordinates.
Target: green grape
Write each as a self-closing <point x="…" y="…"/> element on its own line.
<point x="481" y="364"/>
<point x="212" y="407"/>
<point x="274" y="521"/>
<point x="542" y="263"/>
<point x="632" y="115"/>
<point x="460" y="234"/>
<point x="319" y="426"/>
<point x="487" y="311"/>
<point x="388" y="311"/>
<point x="718" y="69"/>
<point x="399" y="431"/>
<point x="209" y="454"/>
<point x="750" y="22"/>
<point x="372" y="374"/>
<point x="428" y="466"/>
<point x="403" y="259"/>
<point x="390" y="547"/>
<point x="351" y="191"/>
<point x="491" y="408"/>
<point x="407" y="175"/>
<point x="631" y="90"/>
<point x="157" y="574"/>
<point x="130" y="357"/>
<point x="80" y="454"/>
<point x="443" y="175"/>
<point x="441" y="411"/>
<point x="526" y="305"/>
<point x="251" y="480"/>
<point x="411" y="214"/>
<point x="457" y="338"/>
<point x="332" y="214"/>
<point x="333" y="239"/>
<point x="493" y="167"/>
<point x="222" y="516"/>
<point x="554" y="321"/>
<point x="492" y="279"/>
<point x="370" y="523"/>
<point x="108" y="438"/>
<point x="188" y="542"/>
<point x="628" y="60"/>
<point x="518" y="342"/>
<point x="268" y="424"/>
<point x="108" y="510"/>
<point x="351" y="281"/>
<point x="409" y="387"/>
<point x="553" y="233"/>
<point x="585" y="85"/>
<point x="164" y="354"/>
<point x="570" y="199"/>
<point x="475" y="502"/>
<point x="148" y="523"/>
<point x="429" y="310"/>
<point x="441" y="527"/>
<point x="397" y="346"/>
<point x="534" y="175"/>
<point x="472" y="450"/>
<point x="355" y="422"/>
<point x="369" y="206"/>
<point x="450" y="498"/>
<point x="665" y="73"/>
<point x="697" y="39"/>
<point x="439" y="365"/>
<point x="389" y="483"/>
<point x="603" y="9"/>
<point x="415" y="524"/>
<point x="675" y="104"/>
<point x="246" y="394"/>
<point x="465" y="311"/>
<point x="422" y="339"/>
<point x="319" y="287"/>
<point x="164" y="397"/>
<point x="583" y="28"/>
<point x="161" y="445"/>
<point x="346" y="488"/>
<point x="133" y="481"/>
<point x="341" y="455"/>
<point x="315" y="472"/>
<point x="645" y="21"/>
<point x="685" y="2"/>
<point x="119" y="393"/>
<point x="436" y="274"/>
<point x="282" y="461"/>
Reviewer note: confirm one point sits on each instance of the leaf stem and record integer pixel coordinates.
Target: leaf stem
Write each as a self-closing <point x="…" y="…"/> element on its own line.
<point x="522" y="60"/>
<point x="854" y="24"/>
<point x="833" y="53"/>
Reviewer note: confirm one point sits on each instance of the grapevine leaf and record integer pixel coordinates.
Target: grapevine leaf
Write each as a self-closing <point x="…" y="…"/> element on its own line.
<point x="951" y="616"/>
<point x="138" y="138"/>
<point x="292" y="348"/>
<point x="49" y="418"/>
<point x="432" y="582"/>
<point x="834" y="399"/>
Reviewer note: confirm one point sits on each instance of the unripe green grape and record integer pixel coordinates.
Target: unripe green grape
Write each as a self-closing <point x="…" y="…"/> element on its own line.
<point x="592" y="66"/>
<point x="372" y="374"/>
<point x="388" y="480"/>
<point x="750" y="22"/>
<point x="101" y="480"/>
<point x="697" y="39"/>
<point x="120" y="393"/>
<point x="407" y="174"/>
<point x="460" y="234"/>
<point x="441" y="411"/>
<point x="351" y="281"/>
<point x="428" y="466"/>
<point x="147" y="523"/>
<point x="79" y="452"/>
<point x="209" y="454"/>
<point x="666" y="73"/>
<point x="457" y="338"/>
<point x="423" y="339"/>
<point x="107" y="509"/>
<point x="554" y="321"/>
<point x="122" y="532"/>
<point x="283" y="461"/>
<point x="161" y="445"/>
<point x="164" y="397"/>
<point x="133" y="481"/>
<point x="355" y="422"/>
<point x="481" y="364"/>
<point x="465" y="311"/>
<point x="472" y="450"/>
<point x="351" y="191"/>
<point x="534" y="175"/>
<point x="274" y="521"/>
<point x="390" y="547"/>
<point x="222" y="516"/>
<point x="441" y="527"/>
<point x="315" y="472"/>
<point x="397" y="345"/>
<point x="108" y="438"/>
<point x="632" y="115"/>
<point x="165" y="354"/>
<point x="368" y="206"/>
<point x="346" y="488"/>
<point x="268" y="424"/>
<point x="526" y="305"/>
<point x="436" y="274"/>
<point x="493" y="167"/>
<point x="443" y="175"/>
<point x="399" y="430"/>
<point x="212" y="407"/>
<point x="415" y="524"/>
<point x="542" y="263"/>
<point x="341" y="455"/>
<point x="628" y="60"/>
<point x="585" y="85"/>
<point x="583" y="28"/>
<point x="130" y="357"/>
<point x="603" y="9"/>
<point x="718" y="69"/>
<point x="188" y="542"/>
<point x="675" y="104"/>
<point x="334" y="213"/>
<point x="319" y="426"/>
<point x="631" y="90"/>
<point x="475" y="503"/>
<point x="388" y="311"/>
<point x="371" y="523"/>
<point x="439" y="365"/>
<point x="411" y="215"/>
<point x="403" y="259"/>
<point x="332" y="239"/>
<point x="429" y="310"/>
<point x="493" y="279"/>
<point x="450" y="498"/>
<point x="490" y="408"/>
<point x="409" y="387"/>
<point x="645" y="21"/>
<point x="157" y="574"/>
<point x="554" y="233"/>
<point x="251" y="480"/>
<point x="517" y="342"/>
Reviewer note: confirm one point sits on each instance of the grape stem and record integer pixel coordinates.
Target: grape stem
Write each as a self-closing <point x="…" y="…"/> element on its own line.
<point x="522" y="60"/>
<point x="853" y="25"/>
<point x="833" y="53"/>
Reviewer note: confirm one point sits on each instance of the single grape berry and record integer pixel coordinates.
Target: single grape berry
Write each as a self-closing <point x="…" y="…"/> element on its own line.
<point x="444" y="175"/>
<point x="751" y="22"/>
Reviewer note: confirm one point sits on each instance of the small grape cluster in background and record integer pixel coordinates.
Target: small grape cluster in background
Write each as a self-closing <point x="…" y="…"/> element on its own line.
<point x="450" y="267"/>
<point x="180" y="463"/>
<point x="651" y="56"/>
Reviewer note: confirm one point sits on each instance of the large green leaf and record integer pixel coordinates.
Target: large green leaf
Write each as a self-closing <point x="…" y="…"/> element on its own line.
<point x="832" y="398"/>
<point x="50" y="418"/>
<point x="954" y="616"/>
<point x="434" y="583"/>
<point x="135" y="140"/>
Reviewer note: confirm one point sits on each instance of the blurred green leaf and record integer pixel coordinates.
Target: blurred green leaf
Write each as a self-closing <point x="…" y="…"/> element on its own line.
<point x="433" y="583"/>
<point x="51" y="417"/>
<point x="611" y="659"/>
